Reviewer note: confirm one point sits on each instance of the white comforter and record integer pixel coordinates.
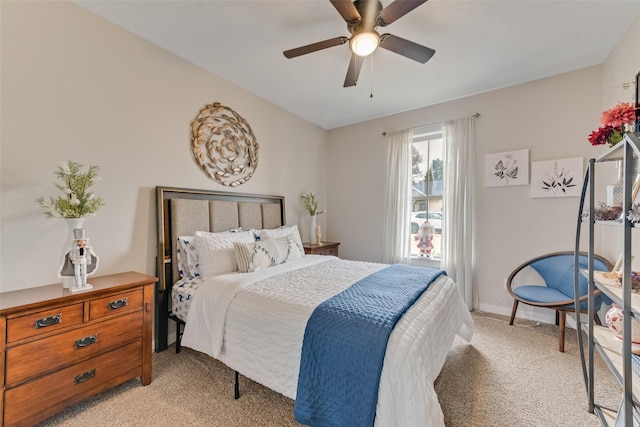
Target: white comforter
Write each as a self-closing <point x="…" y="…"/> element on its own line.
<point x="255" y="322"/>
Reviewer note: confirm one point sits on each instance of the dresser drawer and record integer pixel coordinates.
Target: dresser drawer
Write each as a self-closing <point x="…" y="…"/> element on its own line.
<point x="43" y="322"/>
<point x="114" y="304"/>
<point x="51" y="353"/>
<point x="328" y="250"/>
<point x="35" y="400"/>
<point x="324" y="248"/>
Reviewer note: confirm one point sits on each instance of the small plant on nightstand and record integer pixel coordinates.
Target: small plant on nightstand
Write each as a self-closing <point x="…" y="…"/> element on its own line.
<point x="311" y="205"/>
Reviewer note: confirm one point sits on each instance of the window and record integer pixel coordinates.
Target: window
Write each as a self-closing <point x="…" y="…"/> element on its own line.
<point x="427" y="173"/>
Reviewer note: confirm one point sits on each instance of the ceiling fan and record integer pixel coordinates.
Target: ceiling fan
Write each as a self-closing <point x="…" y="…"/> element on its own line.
<point x="362" y="18"/>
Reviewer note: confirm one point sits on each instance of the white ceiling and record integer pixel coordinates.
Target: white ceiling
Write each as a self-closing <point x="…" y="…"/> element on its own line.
<point x="480" y="45"/>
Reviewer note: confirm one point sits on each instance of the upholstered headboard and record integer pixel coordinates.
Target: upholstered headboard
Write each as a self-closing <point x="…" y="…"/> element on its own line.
<point x="182" y="211"/>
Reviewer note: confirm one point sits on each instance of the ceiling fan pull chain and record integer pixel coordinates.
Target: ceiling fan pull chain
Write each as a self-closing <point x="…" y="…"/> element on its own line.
<point x="371" y="81"/>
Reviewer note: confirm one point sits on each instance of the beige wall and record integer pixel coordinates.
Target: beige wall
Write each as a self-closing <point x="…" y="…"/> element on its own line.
<point x="621" y="66"/>
<point x="76" y="87"/>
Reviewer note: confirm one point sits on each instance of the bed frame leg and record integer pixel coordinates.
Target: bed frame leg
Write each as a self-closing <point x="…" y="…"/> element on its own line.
<point x="178" y="338"/>
<point x="236" y="388"/>
<point x="161" y="327"/>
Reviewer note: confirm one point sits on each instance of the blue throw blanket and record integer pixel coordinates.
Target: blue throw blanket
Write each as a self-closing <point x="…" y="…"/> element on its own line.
<point x="345" y="342"/>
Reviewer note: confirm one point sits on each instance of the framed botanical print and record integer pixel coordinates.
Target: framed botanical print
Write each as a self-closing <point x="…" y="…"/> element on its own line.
<point x="507" y="168"/>
<point x="557" y="178"/>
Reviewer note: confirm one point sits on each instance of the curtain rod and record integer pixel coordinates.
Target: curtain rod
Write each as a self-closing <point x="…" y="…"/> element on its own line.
<point x="475" y="116"/>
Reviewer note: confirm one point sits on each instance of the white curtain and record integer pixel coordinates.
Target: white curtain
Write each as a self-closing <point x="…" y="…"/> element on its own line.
<point x="458" y="246"/>
<point x="397" y="213"/>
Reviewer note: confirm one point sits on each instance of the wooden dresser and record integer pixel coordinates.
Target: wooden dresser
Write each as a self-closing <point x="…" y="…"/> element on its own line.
<point x="58" y="348"/>
<point x="324" y="248"/>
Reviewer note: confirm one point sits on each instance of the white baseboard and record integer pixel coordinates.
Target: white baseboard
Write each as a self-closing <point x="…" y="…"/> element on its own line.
<point x="536" y="314"/>
<point x="527" y="312"/>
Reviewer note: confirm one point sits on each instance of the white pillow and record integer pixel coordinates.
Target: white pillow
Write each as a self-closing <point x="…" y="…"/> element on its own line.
<point x="187" y="257"/>
<point x="284" y="231"/>
<point x="215" y="251"/>
<point x="266" y="253"/>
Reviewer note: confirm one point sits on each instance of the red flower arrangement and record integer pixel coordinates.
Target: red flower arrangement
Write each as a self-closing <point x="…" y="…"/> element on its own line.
<point x="614" y="123"/>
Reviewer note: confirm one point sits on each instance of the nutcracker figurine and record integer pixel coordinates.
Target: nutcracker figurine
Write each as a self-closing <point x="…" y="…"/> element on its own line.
<point x="80" y="261"/>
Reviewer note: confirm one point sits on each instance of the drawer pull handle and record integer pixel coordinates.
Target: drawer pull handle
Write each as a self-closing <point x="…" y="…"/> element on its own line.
<point x="114" y="305"/>
<point x="85" y="376"/>
<point x="83" y="342"/>
<point x="49" y="321"/>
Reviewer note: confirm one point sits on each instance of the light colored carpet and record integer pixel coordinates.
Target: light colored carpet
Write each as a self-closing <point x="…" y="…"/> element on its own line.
<point x="507" y="376"/>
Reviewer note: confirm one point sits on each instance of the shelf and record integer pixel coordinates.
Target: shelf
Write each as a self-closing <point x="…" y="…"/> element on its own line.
<point x="612" y="223"/>
<point x="616" y="152"/>
<point x="612" y="349"/>
<point x="611" y="289"/>
<point x="607" y="416"/>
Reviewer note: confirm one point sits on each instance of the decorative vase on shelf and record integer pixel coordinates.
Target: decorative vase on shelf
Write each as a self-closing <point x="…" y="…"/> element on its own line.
<point x="312" y="231"/>
<point x="615" y="189"/>
<point x="614" y="319"/>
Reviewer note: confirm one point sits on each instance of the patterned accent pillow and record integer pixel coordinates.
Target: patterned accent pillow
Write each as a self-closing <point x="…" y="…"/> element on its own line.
<point x="266" y="253"/>
<point x="284" y="231"/>
<point x="187" y="256"/>
<point x="215" y="251"/>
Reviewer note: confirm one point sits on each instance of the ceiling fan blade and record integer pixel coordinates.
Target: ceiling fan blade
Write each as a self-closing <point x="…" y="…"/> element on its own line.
<point x="347" y="10"/>
<point x="397" y="10"/>
<point x="354" y="70"/>
<point x="314" y="47"/>
<point x="406" y="48"/>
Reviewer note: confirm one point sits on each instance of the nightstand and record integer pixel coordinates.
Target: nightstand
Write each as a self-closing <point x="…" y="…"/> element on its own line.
<point x="323" y="248"/>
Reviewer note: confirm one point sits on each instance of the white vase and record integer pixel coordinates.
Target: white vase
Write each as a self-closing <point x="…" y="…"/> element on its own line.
<point x="615" y="189"/>
<point x="72" y="224"/>
<point x="312" y="231"/>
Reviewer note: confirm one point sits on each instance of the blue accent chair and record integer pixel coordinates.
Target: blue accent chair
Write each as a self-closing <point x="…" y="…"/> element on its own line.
<point x="556" y="269"/>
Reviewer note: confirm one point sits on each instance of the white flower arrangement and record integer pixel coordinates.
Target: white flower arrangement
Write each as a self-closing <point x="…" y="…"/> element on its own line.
<point x="634" y="214"/>
<point x="310" y="204"/>
<point x="76" y="202"/>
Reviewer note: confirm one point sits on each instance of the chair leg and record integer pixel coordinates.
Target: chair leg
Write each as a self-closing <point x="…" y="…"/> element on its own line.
<point x="557" y="317"/>
<point x="563" y="318"/>
<point x="513" y="311"/>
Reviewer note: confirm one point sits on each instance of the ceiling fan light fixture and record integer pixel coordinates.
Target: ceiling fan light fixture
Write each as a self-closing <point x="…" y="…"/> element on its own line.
<point x="364" y="43"/>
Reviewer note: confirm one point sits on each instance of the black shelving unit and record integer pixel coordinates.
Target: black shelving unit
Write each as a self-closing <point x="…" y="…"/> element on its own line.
<point x="616" y="355"/>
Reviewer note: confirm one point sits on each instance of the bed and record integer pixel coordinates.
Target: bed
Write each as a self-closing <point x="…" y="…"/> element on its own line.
<point x="254" y="322"/>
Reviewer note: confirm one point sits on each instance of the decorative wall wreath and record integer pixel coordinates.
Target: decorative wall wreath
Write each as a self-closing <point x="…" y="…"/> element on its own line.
<point x="223" y="145"/>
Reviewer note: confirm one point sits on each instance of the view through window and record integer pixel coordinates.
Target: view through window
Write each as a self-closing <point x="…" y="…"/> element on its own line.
<point x="426" y="211"/>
